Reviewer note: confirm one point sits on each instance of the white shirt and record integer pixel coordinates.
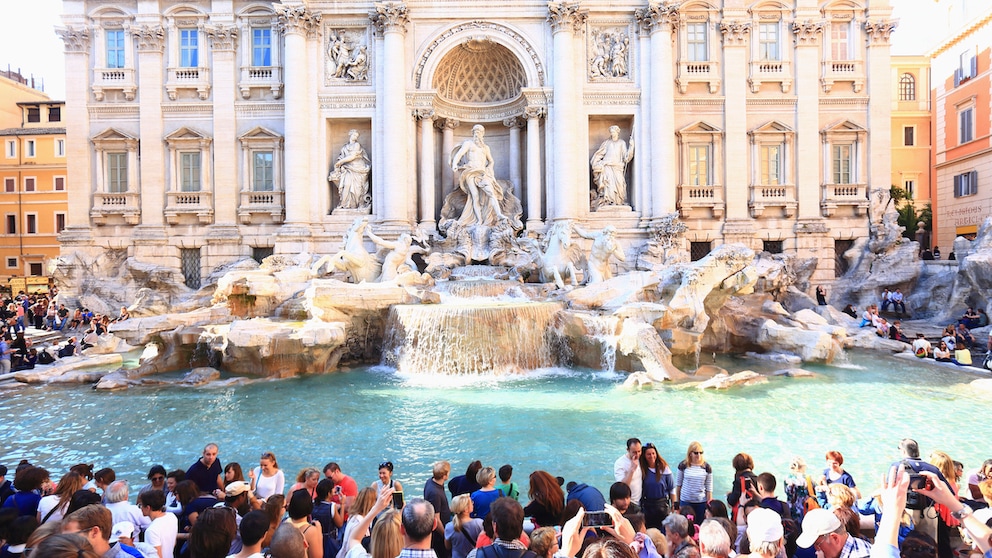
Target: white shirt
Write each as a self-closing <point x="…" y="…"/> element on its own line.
<point x="620" y="469"/>
<point x="162" y="533"/>
<point x="921" y="343"/>
<point x="126" y="511"/>
<point x="267" y="486"/>
<point x="45" y="505"/>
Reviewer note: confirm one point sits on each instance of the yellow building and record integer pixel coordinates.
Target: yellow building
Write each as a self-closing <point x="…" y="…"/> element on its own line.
<point x="912" y="128"/>
<point x="33" y="199"/>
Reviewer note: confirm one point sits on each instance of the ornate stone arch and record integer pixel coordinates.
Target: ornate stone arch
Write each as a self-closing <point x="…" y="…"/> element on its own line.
<point x="443" y="42"/>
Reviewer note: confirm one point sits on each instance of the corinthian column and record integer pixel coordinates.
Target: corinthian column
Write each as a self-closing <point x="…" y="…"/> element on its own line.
<point x="735" y="35"/>
<point x="151" y="41"/>
<point x="534" y="115"/>
<point x="297" y="23"/>
<point x="77" y="126"/>
<point x="447" y="126"/>
<point x="879" y="155"/>
<point x="565" y="19"/>
<point x="224" y="40"/>
<point x="427" y="161"/>
<point x="641" y="193"/>
<point x="391" y="17"/>
<point x="662" y="111"/>
<point x="807" y="34"/>
<point x="514" y="125"/>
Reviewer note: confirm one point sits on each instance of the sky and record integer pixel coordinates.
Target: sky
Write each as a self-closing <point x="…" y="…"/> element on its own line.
<point x="28" y="40"/>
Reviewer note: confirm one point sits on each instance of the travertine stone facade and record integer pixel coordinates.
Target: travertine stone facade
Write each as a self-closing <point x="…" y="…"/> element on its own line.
<point x="203" y="132"/>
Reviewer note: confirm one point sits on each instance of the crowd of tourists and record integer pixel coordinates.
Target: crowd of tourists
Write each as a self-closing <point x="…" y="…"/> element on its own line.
<point x="922" y="509"/>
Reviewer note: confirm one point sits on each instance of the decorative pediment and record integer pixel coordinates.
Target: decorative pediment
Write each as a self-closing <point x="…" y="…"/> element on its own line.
<point x="259" y="133"/>
<point x="844" y="126"/>
<point x="700" y="127"/>
<point x="113" y="134"/>
<point x="185" y="133"/>
<point x="772" y="127"/>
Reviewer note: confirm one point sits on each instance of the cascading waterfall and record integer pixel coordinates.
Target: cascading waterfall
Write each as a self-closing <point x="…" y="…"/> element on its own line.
<point x="606" y="330"/>
<point x="477" y="337"/>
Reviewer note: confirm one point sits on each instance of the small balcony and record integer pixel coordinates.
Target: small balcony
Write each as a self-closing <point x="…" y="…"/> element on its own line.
<point x="257" y="207"/>
<point x="701" y="197"/>
<point x="108" y="207"/>
<point x="843" y="70"/>
<point x="114" y="79"/>
<point x="197" y="204"/>
<point x="763" y="197"/>
<point x="197" y="79"/>
<point x="707" y="72"/>
<point x="260" y="77"/>
<point x="844" y="195"/>
<point x="770" y="71"/>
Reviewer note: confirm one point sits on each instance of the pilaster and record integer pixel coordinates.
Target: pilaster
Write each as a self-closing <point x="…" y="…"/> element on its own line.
<point x="77" y="126"/>
<point x="151" y="42"/>
<point x="428" y="160"/>
<point x="224" y="39"/>
<point x="391" y="18"/>
<point x="566" y="20"/>
<point x="641" y="191"/>
<point x="534" y="190"/>
<point x="879" y="147"/>
<point x="663" y="176"/>
<point x="735" y="44"/>
<point x="808" y="34"/>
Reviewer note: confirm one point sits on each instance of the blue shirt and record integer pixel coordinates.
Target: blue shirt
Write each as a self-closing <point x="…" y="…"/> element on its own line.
<point x="590" y="497"/>
<point x="481" y="499"/>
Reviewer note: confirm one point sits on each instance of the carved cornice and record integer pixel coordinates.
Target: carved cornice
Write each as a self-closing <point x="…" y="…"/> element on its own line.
<point x="735" y="32"/>
<point x="298" y="19"/>
<point x="222" y="37"/>
<point x="565" y="16"/>
<point x="390" y="17"/>
<point x="879" y="30"/>
<point x="807" y="32"/>
<point x="76" y="40"/>
<point x="612" y="98"/>
<point x="347" y="101"/>
<point x="149" y="38"/>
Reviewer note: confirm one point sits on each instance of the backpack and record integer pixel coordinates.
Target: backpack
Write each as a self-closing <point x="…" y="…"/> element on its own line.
<point x="496" y="551"/>
<point x="44" y="357"/>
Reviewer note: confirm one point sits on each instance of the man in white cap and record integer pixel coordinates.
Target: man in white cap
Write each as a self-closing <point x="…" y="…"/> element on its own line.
<point x="764" y="533"/>
<point x="825" y="533"/>
<point x="237" y="497"/>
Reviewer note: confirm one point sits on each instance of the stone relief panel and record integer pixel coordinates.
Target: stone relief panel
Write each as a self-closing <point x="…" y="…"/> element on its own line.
<point x="609" y="53"/>
<point x="346" y="55"/>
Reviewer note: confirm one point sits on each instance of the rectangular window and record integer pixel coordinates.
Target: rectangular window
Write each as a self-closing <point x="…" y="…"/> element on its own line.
<point x="188" y="48"/>
<point x="35" y="269"/>
<point x="34" y="114"/>
<point x="262" y="177"/>
<point x="261" y="47"/>
<point x="966" y="125"/>
<point x="772" y="246"/>
<point x="59" y="222"/>
<point x="698" y="250"/>
<point x="259" y="253"/>
<point x="910" y="187"/>
<point x="115" y="48"/>
<point x="841" y="264"/>
<point x="768" y="46"/>
<point x="696" y="35"/>
<point x="29" y="184"/>
<point x="966" y="184"/>
<point x="842" y="164"/>
<point x="840" y="41"/>
<point x="771" y="165"/>
<point x="11" y="263"/>
<point x="699" y="165"/>
<point x="11" y="149"/>
<point x="11" y="224"/>
<point x="58" y="183"/>
<point x="116" y="172"/>
<point x="908" y="136"/>
<point x="55" y="113"/>
<point x="29" y="148"/>
<point x="31" y="223"/>
<point x="190" y="262"/>
<point x="9" y="184"/>
<point x="189" y="172"/>
<point x="60" y="148"/>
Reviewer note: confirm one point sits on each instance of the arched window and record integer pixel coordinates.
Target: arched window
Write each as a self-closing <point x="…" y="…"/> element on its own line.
<point x="907" y="88"/>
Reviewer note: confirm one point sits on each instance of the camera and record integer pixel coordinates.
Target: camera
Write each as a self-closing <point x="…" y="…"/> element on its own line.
<point x="914" y="500"/>
<point x="597" y="519"/>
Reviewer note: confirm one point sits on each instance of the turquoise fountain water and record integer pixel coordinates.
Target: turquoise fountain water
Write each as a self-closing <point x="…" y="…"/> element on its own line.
<point x="572" y="423"/>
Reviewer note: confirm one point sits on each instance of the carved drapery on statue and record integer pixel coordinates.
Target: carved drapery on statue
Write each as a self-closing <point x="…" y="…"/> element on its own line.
<point x="351" y="174"/>
<point x="609" y="169"/>
<point x="346" y="55"/>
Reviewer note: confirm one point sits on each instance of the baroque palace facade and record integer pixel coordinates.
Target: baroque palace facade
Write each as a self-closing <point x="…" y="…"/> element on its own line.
<point x="204" y="132"/>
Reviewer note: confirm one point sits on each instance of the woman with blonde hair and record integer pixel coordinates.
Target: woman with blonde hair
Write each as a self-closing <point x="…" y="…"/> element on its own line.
<point x="364" y="510"/>
<point x="841" y="500"/>
<point x="462" y="532"/>
<point x="307" y="479"/>
<point x="482" y="498"/>
<point x="543" y="542"/>
<point x="694" y="483"/>
<point x="945" y="521"/>
<point x="267" y="479"/>
<point x="360" y="508"/>
<point x="52" y="508"/>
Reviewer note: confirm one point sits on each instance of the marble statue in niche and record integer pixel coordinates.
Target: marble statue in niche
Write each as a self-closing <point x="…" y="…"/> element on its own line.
<point x="351" y="174"/>
<point x="609" y="170"/>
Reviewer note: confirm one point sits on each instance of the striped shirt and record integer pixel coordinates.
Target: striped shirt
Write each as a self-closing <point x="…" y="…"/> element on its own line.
<point x="695" y="483"/>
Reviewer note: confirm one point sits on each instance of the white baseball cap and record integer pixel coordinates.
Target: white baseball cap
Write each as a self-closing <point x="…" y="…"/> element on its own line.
<point x="764" y="525"/>
<point x="817" y="523"/>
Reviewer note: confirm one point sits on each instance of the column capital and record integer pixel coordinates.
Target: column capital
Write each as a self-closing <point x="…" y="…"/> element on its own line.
<point x="150" y="38"/>
<point x="76" y="40"/>
<point x="426" y="114"/>
<point x="222" y="37"/>
<point x="735" y="32"/>
<point x="565" y="16"/>
<point x="298" y="20"/>
<point x="447" y="123"/>
<point x="535" y="112"/>
<point x="878" y="31"/>
<point x="660" y="16"/>
<point x="807" y="32"/>
<point x="513" y="122"/>
<point x="390" y="17"/>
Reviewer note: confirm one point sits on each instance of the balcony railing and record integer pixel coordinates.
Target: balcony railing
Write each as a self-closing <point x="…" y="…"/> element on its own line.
<point x="261" y="77"/>
<point x="770" y="71"/>
<point x="197" y="79"/>
<point x="198" y="204"/>
<point x="114" y="79"/>
<point x="706" y="71"/>
<point x="843" y="70"/>
<point x="844" y="195"/>
<point x="777" y="195"/>
<point x="701" y="197"/>
<point x="123" y="205"/>
<point x="256" y="206"/>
